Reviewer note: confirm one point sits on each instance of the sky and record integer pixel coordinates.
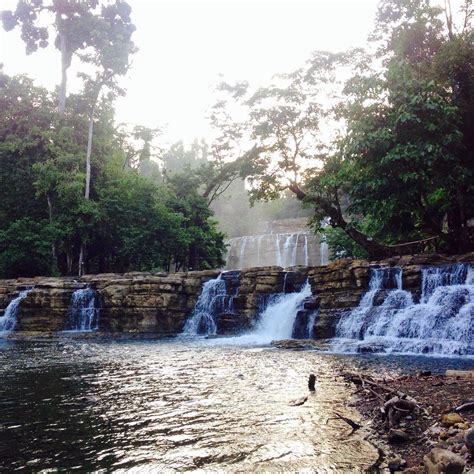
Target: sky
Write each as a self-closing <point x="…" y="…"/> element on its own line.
<point x="187" y="47"/>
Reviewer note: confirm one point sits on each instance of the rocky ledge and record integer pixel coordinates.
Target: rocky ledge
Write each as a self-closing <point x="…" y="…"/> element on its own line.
<point x="160" y="303"/>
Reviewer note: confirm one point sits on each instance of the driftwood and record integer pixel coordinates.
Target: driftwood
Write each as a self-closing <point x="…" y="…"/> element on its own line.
<point x="465" y="407"/>
<point x="353" y="424"/>
<point x="395" y="404"/>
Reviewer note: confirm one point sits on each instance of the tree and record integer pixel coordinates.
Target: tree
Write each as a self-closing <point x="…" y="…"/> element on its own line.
<point x="110" y="55"/>
<point x="73" y="22"/>
<point x="401" y="167"/>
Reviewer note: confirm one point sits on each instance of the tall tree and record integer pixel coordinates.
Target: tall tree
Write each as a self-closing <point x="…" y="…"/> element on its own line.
<point x="73" y="23"/>
<point x="111" y="48"/>
<point x="402" y="167"/>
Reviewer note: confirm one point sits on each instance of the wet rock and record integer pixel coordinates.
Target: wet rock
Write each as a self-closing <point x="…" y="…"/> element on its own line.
<point x="370" y="349"/>
<point x="230" y="323"/>
<point x="300" y="326"/>
<point x="312" y="303"/>
<point x="297" y="344"/>
<point x="397" y="436"/>
<point x="439" y="461"/>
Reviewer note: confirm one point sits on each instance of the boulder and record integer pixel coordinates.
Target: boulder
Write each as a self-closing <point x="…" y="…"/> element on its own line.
<point x="469" y="439"/>
<point x="442" y="461"/>
<point x="451" y="419"/>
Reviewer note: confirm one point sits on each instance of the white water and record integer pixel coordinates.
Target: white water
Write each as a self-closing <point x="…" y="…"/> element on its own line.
<point x="9" y="318"/>
<point x="83" y="313"/>
<point x="324" y="253"/>
<point x="441" y="323"/>
<point x="284" y="250"/>
<point x="275" y="322"/>
<point x="212" y="301"/>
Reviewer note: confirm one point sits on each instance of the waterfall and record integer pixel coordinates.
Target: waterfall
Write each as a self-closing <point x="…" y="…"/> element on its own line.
<point x="441" y="323"/>
<point x="324" y="253"/>
<point x="279" y="258"/>
<point x="306" y="256"/>
<point x="83" y="311"/>
<point x="9" y="318"/>
<point x="283" y="250"/>
<point x="212" y="301"/>
<point x="446" y="275"/>
<point x="277" y="320"/>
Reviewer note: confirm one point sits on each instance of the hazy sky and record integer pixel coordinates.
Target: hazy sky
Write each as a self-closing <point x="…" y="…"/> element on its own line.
<point x="185" y="45"/>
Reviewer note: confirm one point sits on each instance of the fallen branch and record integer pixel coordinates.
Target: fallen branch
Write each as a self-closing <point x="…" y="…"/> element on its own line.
<point x="465" y="407"/>
<point x="354" y="425"/>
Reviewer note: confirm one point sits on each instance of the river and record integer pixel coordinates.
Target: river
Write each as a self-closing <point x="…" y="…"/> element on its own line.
<point x="172" y="406"/>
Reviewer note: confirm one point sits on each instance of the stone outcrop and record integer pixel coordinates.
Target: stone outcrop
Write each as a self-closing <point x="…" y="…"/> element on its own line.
<point x="159" y="303"/>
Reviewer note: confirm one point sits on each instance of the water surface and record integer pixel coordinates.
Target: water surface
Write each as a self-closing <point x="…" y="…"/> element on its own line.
<point x="176" y="406"/>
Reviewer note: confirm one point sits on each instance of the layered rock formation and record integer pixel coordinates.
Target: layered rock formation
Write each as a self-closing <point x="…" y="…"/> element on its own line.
<point x="161" y="303"/>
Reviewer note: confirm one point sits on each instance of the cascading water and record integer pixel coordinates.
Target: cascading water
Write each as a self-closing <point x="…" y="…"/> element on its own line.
<point x="276" y="321"/>
<point x="441" y="323"/>
<point x="212" y="301"/>
<point x="434" y="277"/>
<point x="284" y="250"/>
<point x="324" y="253"/>
<point x="83" y="311"/>
<point x="9" y="318"/>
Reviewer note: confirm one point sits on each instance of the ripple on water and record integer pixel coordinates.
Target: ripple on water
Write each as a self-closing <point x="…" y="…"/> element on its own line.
<point x="169" y="407"/>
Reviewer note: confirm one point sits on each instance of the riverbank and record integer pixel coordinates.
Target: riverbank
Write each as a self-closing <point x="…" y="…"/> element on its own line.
<point x="430" y="431"/>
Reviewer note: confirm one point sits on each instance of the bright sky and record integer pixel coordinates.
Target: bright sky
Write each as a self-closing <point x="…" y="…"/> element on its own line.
<point x="184" y="47"/>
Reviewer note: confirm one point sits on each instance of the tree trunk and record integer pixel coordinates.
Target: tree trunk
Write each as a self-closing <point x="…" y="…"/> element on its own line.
<point x="65" y="62"/>
<point x="374" y="249"/>
<point x="81" y="259"/>
<point x="82" y="252"/>
<point x="88" y="154"/>
<point x="54" y="256"/>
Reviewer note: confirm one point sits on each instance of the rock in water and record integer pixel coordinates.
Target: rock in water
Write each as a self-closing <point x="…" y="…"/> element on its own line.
<point x="312" y="382"/>
<point x="439" y="461"/>
<point x="298" y="402"/>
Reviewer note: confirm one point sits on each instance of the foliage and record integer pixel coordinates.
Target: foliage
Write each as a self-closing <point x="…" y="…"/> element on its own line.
<point x="132" y="222"/>
<point x="341" y="245"/>
<point x="401" y="167"/>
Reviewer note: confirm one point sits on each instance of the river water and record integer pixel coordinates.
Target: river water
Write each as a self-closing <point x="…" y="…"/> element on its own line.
<point x="177" y="406"/>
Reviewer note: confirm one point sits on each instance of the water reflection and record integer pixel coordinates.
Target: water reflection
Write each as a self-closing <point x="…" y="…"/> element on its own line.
<point x="169" y="407"/>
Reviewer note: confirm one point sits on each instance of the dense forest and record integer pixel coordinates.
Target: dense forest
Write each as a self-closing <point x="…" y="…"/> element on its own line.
<point x="79" y="193"/>
<point x="378" y="144"/>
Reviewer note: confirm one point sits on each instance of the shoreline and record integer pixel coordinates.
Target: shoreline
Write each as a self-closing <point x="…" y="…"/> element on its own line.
<point x="408" y="435"/>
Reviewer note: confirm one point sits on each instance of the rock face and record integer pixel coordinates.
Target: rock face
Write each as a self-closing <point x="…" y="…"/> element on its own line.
<point x="160" y="303"/>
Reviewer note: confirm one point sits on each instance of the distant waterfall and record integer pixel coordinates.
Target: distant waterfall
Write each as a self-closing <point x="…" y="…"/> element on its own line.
<point x="9" y="318"/>
<point x="212" y="301"/>
<point x="441" y="323"/>
<point x="324" y="253"/>
<point x="83" y="311"/>
<point x="284" y="250"/>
